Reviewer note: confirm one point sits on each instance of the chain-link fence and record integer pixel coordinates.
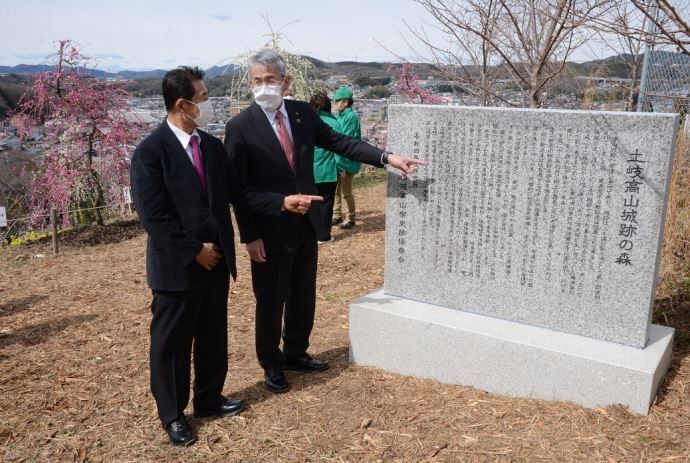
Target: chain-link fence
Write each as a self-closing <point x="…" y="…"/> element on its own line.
<point x="667" y="86"/>
<point x="665" y="81"/>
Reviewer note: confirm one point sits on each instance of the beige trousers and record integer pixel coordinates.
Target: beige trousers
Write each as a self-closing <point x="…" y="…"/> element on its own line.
<point x="344" y="190"/>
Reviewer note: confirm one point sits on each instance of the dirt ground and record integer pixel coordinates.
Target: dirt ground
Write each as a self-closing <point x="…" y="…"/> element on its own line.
<point x="74" y="376"/>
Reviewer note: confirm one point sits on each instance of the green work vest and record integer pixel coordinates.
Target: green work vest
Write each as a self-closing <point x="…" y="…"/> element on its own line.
<point x="349" y="125"/>
<point x="325" y="168"/>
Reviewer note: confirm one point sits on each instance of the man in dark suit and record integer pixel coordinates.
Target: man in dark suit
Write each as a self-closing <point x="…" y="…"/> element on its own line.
<point x="271" y="143"/>
<point x="182" y="186"/>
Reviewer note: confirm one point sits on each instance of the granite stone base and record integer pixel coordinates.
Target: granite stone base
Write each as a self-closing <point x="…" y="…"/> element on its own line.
<point x="504" y="357"/>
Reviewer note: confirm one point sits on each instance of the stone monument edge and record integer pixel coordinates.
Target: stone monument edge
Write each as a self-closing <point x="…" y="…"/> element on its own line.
<point x="662" y="221"/>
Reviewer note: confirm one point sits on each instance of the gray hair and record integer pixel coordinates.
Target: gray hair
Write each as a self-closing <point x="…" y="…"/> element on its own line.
<point x="268" y="58"/>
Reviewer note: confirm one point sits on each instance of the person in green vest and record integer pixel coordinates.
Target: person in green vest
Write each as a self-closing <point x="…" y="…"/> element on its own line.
<point x="349" y="125"/>
<point x="325" y="169"/>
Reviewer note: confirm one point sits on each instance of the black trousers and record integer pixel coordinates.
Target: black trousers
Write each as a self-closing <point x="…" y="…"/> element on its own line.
<point x="327" y="190"/>
<point x="285" y="288"/>
<point x="182" y="319"/>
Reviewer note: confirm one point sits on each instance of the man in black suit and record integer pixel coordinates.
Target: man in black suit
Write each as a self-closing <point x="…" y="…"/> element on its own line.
<point x="272" y="145"/>
<point x="182" y="186"/>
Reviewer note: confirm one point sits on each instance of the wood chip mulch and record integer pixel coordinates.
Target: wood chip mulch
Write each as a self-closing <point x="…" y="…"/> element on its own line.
<point x="74" y="376"/>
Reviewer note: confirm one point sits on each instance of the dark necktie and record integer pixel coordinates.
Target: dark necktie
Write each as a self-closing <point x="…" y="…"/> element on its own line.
<point x="284" y="138"/>
<point x="198" y="161"/>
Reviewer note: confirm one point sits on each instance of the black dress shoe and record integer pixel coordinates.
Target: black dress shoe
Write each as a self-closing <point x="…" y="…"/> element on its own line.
<point x="227" y="407"/>
<point x="306" y="363"/>
<point x="179" y="432"/>
<point x="335" y="221"/>
<point x="347" y="225"/>
<point x="275" y="379"/>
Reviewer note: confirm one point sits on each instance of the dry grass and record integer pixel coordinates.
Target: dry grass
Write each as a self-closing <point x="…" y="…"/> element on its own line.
<point x="673" y="292"/>
<point x="677" y="230"/>
<point x="74" y="376"/>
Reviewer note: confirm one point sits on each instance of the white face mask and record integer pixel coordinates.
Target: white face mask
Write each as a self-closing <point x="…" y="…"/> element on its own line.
<point x="206" y="113"/>
<point x="268" y="96"/>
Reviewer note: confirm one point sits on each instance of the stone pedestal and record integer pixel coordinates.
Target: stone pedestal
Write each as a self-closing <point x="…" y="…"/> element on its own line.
<point x="531" y="242"/>
<point x="505" y="357"/>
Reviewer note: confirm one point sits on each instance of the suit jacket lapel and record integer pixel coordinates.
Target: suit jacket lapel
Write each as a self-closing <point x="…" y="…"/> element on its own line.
<point x="263" y="126"/>
<point x="296" y="129"/>
<point x="180" y="156"/>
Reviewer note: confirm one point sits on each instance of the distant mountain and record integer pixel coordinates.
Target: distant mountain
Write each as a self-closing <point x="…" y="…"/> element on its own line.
<point x="12" y="88"/>
<point x="26" y="69"/>
<point x="613" y="66"/>
<point x="155" y="74"/>
<point x="354" y="69"/>
<point x="218" y="77"/>
<point x="217" y="71"/>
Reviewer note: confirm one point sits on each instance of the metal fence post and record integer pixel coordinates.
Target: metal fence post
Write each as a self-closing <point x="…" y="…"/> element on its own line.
<point x="648" y="50"/>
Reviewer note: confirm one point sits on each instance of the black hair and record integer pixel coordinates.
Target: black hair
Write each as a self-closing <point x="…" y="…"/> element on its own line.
<point x="320" y="102"/>
<point x="179" y="83"/>
<point x="350" y="102"/>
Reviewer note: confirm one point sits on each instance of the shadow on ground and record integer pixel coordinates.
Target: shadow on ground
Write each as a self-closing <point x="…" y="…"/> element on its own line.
<point x="339" y="362"/>
<point x="21" y="304"/>
<point x="367" y="222"/>
<point x="674" y="311"/>
<point x="41" y="332"/>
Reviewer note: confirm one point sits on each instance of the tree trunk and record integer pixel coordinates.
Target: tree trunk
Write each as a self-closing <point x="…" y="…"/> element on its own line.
<point x="99" y="198"/>
<point x="632" y="104"/>
<point x="98" y="189"/>
<point x="534" y="100"/>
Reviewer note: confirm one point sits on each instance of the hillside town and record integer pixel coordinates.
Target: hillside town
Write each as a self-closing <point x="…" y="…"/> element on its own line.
<point x="582" y="92"/>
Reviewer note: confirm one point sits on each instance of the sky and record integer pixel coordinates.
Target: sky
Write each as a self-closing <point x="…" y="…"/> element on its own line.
<point x="154" y="34"/>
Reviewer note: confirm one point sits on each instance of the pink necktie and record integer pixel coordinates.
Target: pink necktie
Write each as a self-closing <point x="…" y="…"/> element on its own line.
<point x="198" y="161"/>
<point x="284" y="138"/>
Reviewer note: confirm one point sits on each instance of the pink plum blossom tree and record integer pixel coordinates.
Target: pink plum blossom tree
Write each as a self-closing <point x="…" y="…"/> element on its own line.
<point x="408" y="85"/>
<point x="89" y="133"/>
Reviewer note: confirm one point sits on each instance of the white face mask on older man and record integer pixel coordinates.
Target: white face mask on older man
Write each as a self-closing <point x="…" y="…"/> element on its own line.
<point x="268" y="96"/>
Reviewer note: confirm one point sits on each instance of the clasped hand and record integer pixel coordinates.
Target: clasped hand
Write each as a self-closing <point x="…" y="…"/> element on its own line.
<point x="209" y="256"/>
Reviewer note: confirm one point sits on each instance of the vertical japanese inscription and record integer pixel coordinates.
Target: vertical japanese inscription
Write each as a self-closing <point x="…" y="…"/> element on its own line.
<point x="550" y="213"/>
<point x="631" y="204"/>
<point x="516" y="201"/>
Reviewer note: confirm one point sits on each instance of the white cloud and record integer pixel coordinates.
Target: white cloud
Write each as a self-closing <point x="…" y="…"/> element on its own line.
<point x="109" y="56"/>
<point x="220" y="16"/>
<point x="33" y="56"/>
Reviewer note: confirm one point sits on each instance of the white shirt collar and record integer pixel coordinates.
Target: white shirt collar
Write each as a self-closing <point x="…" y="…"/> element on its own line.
<point x="181" y="135"/>
<point x="271" y="113"/>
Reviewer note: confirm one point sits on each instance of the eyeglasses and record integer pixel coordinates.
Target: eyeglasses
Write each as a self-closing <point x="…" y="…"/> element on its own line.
<point x="268" y="81"/>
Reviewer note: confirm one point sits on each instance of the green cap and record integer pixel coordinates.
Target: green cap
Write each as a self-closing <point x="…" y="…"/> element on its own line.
<point x="342" y="93"/>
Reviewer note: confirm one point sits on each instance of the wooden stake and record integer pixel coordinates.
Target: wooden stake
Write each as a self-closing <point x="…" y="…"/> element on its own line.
<point x="53" y="226"/>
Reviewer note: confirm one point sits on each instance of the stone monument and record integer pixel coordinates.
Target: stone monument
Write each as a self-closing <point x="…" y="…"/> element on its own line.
<point x="523" y="259"/>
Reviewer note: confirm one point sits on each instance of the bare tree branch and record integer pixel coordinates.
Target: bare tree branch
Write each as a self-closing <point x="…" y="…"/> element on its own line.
<point x="671" y="26"/>
<point x="531" y="40"/>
